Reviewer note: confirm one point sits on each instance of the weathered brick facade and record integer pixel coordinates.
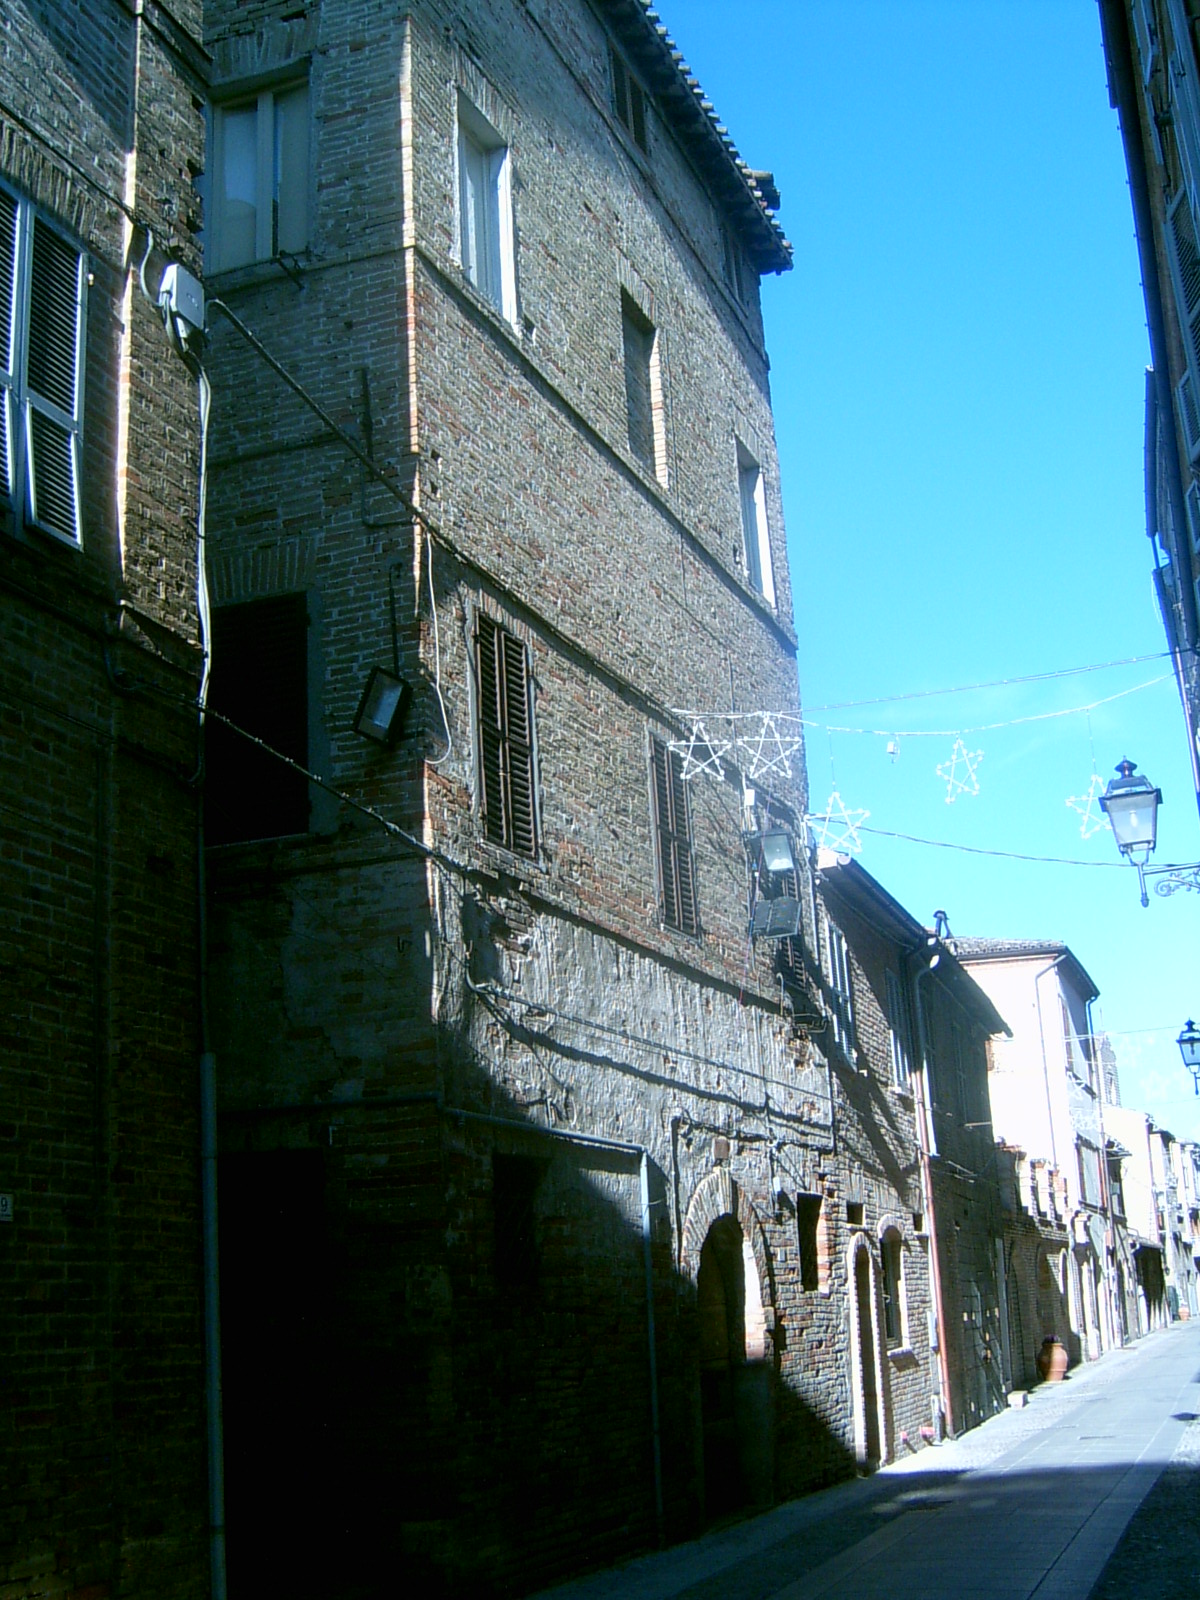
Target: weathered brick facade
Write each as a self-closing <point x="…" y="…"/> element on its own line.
<point x="101" y="1400"/>
<point x="530" y="1179"/>
<point x="915" y="1133"/>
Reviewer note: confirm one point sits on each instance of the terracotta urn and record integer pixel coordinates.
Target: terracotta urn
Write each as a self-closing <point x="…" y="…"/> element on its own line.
<point x="1052" y="1359"/>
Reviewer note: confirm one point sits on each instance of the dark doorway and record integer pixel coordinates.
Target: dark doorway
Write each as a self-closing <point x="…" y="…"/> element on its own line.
<point x="721" y="1309"/>
<point x="735" y="1378"/>
<point x="866" y="1357"/>
<point x="279" y="1487"/>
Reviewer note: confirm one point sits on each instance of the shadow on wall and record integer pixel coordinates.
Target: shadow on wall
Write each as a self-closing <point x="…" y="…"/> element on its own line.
<point x="437" y="1368"/>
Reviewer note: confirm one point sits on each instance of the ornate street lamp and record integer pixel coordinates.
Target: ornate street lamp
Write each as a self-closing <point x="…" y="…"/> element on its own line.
<point x="1189" y="1048"/>
<point x="1131" y="804"/>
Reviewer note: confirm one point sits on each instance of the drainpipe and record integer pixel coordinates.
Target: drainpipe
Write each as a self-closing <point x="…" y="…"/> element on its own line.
<point x="927" y="1141"/>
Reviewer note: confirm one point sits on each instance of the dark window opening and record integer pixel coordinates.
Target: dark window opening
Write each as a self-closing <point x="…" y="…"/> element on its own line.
<point x="893" y="1288"/>
<point x="515" y="1182"/>
<point x="854" y="1213"/>
<point x="673" y="833"/>
<point x="506" y="798"/>
<point x="808" y="1217"/>
<point x="637" y="335"/>
<point x="629" y="102"/>
<point x="260" y="683"/>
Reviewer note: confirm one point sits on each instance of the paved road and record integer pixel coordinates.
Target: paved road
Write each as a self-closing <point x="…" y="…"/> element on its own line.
<point x="1032" y="1504"/>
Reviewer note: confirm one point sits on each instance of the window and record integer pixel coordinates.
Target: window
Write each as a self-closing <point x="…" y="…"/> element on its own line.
<point x="891" y="1252"/>
<point x="42" y="285"/>
<point x="673" y="834"/>
<point x="1186" y="261"/>
<point x="732" y="265"/>
<point x="261" y="161"/>
<point x="485" y="210"/>
<point x="899" y="1031"/>
<point x="810" y="1232"/>
<point x="841" y="993"/>
<point x="260" y="682"/>
<point x="515" y="1184"/>
<point x="1089" y="1172"/>
<point x="506" y="789"/>
<point x="628" y="102"/>
<point x="755" y="539"/>
<point x="643" y="387"/>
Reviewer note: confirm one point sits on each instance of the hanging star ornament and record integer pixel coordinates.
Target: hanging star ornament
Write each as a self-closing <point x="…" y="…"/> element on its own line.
<point x="1087" y="805"/>
<point x="835" y="828"/>
<point x="959" y="773"/>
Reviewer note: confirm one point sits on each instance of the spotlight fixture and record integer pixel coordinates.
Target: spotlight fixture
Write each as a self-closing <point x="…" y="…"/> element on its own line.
<point x="383" y="709"/>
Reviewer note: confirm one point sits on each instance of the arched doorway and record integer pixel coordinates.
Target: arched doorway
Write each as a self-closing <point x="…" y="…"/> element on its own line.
<point x="868" y="1433"/>
<point x="735" y="1395"/>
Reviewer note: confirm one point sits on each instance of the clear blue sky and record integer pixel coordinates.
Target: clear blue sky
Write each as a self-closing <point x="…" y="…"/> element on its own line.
<point x="957" y="373"/>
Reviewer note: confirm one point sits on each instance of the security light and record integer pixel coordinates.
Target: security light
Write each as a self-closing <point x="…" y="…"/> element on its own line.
<point x="773" y="848"/>
<point x="383" y="708"/>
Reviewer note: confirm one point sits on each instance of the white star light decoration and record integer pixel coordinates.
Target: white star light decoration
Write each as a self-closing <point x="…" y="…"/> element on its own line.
<point x="835" y="828"/>
<point x="959" y="773"/>
<point x="1093" y="819"/>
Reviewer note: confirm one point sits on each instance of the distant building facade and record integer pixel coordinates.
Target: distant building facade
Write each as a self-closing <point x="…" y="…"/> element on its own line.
<point x="914" y="1129"/>
<point x="1047" y="1087"/>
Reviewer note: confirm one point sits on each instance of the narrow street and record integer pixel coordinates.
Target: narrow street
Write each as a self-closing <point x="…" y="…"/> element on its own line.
<point x="1034" y="1503"/>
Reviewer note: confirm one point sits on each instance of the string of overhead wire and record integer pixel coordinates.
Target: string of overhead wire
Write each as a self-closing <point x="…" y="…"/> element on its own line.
<point x="990" y="727"/>
<point x="994" y="683"/>
<point x="978" y="850"/>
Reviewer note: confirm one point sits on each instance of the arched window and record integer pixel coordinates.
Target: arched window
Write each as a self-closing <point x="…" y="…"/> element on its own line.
<point x="895" y="1311"/>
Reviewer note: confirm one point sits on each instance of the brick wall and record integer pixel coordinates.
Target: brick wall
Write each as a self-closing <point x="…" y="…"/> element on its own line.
<point x="364" y="1000"/>
<point x="101" y="1409"/>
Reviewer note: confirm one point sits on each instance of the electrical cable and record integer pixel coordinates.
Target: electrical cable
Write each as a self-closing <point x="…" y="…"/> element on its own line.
<point x="991" y="727"/>
<point x="975" y="850"/>
<point x="441" y="760"/>
<point x="995" y="683"/>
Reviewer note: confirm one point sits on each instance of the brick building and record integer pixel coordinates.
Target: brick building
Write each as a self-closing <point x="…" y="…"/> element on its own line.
<point x="1154" y="84"/>
<point x="529" y="1181"/>
<point x="101" y="1400"/>
<point x="908" y="1043"/>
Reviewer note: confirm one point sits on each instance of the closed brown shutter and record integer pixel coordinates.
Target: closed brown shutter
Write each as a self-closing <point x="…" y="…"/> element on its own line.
<point x="506" y="780"/>
<point x="674" y="838"/>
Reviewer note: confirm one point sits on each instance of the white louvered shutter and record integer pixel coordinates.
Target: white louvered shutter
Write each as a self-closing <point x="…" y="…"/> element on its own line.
<point x="52" y="382"/>
<point x="9" y="405"/>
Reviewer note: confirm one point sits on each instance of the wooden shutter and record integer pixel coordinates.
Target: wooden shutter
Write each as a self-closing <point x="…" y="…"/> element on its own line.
<point x="52" y="382"/>
<point x="506" y="784"/>
<point x="8" y="286"/>
<point x="674" y="837"/>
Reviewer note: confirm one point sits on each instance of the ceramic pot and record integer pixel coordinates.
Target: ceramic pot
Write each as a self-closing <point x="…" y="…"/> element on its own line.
<point x="1052" y="1360"/>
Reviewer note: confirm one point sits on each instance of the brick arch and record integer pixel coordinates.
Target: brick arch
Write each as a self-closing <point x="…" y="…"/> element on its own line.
<point x="718" y="1196"/>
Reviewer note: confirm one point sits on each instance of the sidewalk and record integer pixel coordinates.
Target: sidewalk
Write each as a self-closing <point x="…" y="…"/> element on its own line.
<point x="1034" y="1500"/>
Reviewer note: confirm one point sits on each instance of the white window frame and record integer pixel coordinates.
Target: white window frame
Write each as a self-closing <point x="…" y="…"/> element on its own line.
<point x="756" y="533"/>
<point x="486" y="238"/>
<point x="891" y="1243"/>
<point x="41" y="433"/>
<point x="899" y="1031"/>
<point x="841" y="986"/>
<point x="275" y="233"/>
